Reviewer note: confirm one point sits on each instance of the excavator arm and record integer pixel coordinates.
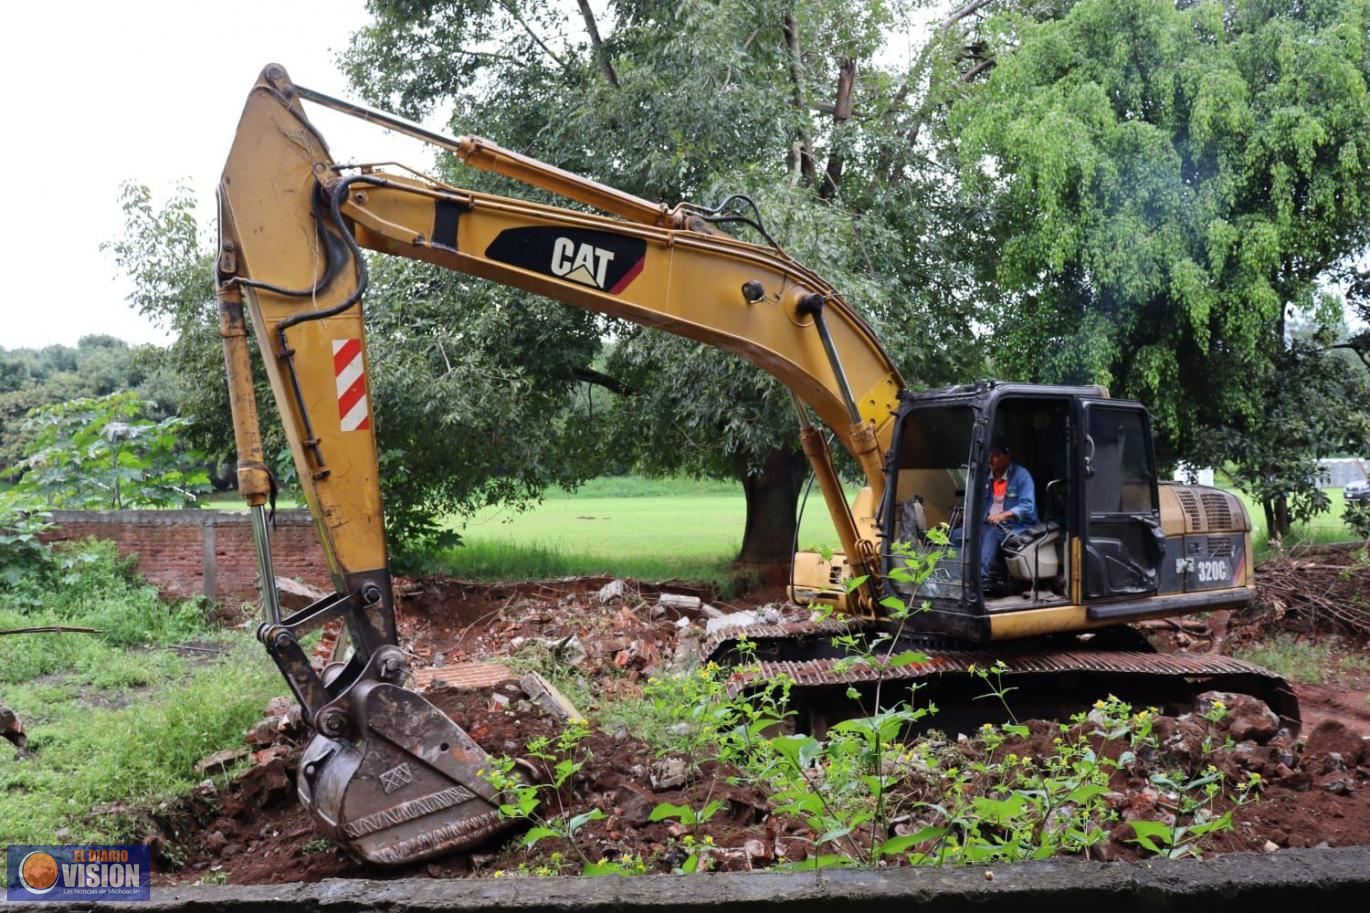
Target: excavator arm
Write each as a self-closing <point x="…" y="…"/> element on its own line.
<point x="388" y="775"/>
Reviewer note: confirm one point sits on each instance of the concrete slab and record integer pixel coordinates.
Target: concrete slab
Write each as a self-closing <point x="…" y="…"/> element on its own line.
<point x="1330" y="879"/>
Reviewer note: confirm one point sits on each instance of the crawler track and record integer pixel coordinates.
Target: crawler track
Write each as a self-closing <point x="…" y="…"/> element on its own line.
<point x="1041" y="679"/>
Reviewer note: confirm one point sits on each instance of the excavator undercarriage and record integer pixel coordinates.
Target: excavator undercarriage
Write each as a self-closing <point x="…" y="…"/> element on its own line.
<point x="1050" y="678"/>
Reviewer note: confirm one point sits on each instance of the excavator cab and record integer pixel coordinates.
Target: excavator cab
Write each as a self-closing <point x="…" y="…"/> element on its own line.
<point x="1097" y="550"/>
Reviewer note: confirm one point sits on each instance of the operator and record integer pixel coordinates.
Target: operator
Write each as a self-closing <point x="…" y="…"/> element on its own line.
<point x="1011" y="504"/>
<point x="1011" y="496"/>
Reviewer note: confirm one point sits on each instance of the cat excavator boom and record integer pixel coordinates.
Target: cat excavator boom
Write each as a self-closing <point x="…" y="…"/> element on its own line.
<point x="390" y="777"/>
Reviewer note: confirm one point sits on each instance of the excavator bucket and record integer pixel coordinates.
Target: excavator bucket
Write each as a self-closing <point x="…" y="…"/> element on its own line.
<point x="406" y="787"/>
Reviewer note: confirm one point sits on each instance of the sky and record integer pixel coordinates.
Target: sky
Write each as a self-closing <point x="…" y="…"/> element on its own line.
<point x="99" y="93"/>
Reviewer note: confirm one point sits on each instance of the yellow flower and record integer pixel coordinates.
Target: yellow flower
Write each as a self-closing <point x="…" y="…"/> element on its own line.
<point x="708" y="840"/>
<point x="499" y="873"/>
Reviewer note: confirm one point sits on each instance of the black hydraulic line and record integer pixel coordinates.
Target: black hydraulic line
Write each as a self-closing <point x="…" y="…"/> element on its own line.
<point x="813" y="306"/>
<point x="727" y="220"/>
<point x="716" y="216"/>
<point x="338" y="194"/>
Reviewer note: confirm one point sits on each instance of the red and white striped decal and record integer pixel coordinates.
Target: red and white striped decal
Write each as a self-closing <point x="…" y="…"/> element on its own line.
<point x="353" y="411"/>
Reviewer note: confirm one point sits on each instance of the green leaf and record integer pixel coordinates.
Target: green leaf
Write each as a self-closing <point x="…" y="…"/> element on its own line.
<point x="538" y="833"/>
<point x="668" y="810"/>
<point x="854" y="582"/>
<point x="834" y="833"/>
<point x="580" y="820"/>
<point x="1148" y="832"/>
<point x="1000" y="811"/>
<point x="709" y="810"/>
<point x="601" y="868"/>
<point x="799" y="749"/>
<point x="908" y="657"/>
<point x="1082" y="794"/>
<point x="894" y="846"/>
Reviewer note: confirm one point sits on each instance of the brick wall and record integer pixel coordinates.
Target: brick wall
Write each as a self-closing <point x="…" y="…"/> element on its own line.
<point x="201" y="552"/>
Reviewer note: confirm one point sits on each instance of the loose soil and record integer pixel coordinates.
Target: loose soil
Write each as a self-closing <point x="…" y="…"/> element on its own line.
<point x="1317" y="787"/>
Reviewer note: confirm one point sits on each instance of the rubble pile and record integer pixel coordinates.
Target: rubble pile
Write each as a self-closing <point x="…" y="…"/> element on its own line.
<point x="486" y="656"/>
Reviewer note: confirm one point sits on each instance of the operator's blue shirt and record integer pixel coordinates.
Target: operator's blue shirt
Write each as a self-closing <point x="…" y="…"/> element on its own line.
<point x="1020" y="498"/>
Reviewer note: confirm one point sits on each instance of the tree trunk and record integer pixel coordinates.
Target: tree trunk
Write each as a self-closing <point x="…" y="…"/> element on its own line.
<point x="846" y="80"/>
<point x="606" y="66"/>
<point x="802" y="150"/>
<point x="772" y="498"/>
<point x="1277" y="523"/>
<point x="1282" y="516"/>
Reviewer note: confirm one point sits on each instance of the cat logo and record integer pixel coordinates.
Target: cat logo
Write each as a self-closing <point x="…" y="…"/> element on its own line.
<point x="604" y="261"/>
<point x="583" y="263"/>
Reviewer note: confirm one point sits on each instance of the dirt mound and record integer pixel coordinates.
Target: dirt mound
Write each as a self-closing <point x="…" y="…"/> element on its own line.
<point x="616" y="635"/>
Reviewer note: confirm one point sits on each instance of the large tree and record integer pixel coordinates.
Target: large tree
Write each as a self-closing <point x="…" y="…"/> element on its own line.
<point x="1167" y="183"/>
<point x="788" y="102"/>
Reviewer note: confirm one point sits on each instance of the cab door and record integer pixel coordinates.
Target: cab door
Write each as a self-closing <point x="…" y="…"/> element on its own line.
<point x="1120" y="507"/>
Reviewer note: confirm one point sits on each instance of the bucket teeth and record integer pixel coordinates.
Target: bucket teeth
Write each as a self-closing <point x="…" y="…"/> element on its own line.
<point x="408" y="788"/>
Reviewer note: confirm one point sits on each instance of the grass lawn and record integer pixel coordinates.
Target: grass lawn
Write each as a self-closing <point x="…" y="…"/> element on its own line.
<point x="680" y="525"/>
<point x="1322" y="528"/>
<point x="646" y="528"/>
<point x="121" y="715"/>
<point x="1314" y="662"/>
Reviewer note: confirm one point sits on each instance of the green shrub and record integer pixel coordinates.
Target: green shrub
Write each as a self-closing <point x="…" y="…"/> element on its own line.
<point x="1356" y="514"/>
<point x="90" y="585"/>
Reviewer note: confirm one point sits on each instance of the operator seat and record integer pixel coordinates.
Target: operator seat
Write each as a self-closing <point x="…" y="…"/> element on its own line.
<point x="1037" y="553"/>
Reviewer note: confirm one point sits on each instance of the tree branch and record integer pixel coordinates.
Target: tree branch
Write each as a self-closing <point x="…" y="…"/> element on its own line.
<point x="802" y="155"/>
<point x="600" y="379"/>
<point x="823" y="107"/>
<point x="969" y="9"/>
<point x="983" y="66"/>
<point x="1350" y="345"/>
<point x="509" y="8"/>
<point x="846" y="80"/>
<point x="601" y="52"/>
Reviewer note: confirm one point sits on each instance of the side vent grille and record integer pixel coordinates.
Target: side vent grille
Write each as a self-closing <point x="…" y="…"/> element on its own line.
<point x="835" y="575"/>
<point x="1190" y="505"/>
<point x="1219" y="547"/>
<point x="1218" y="509"/>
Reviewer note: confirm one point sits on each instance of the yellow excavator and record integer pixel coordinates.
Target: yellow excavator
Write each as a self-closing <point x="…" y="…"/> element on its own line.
<point x="390" y="777"/>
